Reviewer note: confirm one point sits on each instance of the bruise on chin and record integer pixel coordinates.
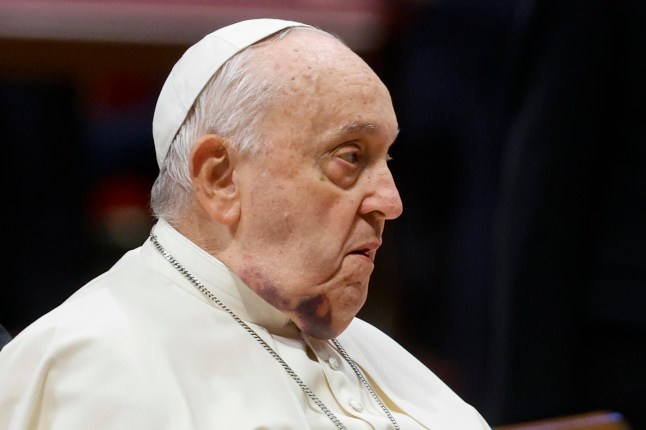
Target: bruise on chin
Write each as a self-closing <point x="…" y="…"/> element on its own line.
<point x="315" y="315"/>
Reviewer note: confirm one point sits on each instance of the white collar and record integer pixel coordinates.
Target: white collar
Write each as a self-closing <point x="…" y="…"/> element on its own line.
<point x="216" y="277"/>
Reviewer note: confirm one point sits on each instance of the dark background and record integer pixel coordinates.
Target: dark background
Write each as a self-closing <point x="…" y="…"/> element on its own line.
<point x="518" y="270"/>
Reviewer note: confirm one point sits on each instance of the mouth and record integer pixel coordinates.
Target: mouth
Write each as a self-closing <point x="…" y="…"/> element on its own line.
<point x="367" y="250"/>
<point x="362" y="252"/>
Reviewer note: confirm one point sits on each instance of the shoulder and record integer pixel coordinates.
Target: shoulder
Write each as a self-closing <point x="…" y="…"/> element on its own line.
<point x="406" y="380"/>
<point x="108" y="315"/>
<point x="109" y="343"/>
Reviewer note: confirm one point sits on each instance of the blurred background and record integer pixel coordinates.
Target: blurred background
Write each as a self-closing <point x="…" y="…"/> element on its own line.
<point x="518" y="270"/>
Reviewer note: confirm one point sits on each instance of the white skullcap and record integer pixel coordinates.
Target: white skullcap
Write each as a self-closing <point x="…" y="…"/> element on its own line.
<point x="194" y="69"/>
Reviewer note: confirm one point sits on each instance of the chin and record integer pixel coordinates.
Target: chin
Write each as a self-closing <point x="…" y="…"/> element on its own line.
<point x="324" y="332"/>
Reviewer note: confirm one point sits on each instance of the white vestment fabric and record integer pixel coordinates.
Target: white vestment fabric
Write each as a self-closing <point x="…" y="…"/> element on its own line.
<point x="139" y="347"/>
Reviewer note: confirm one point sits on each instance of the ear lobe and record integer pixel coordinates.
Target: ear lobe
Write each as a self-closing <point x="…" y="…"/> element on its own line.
<point x="212" y="174"/>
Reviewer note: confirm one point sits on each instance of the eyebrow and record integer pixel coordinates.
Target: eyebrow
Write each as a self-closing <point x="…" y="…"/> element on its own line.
<point x="355" y="127"/>
<point x="358" y="126"/>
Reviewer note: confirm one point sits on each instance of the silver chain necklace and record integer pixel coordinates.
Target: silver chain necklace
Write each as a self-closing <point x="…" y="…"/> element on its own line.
<point x="197" y="284"/>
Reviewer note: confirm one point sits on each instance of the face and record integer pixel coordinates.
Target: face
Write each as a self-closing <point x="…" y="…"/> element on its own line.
<point x="314" y="201"/>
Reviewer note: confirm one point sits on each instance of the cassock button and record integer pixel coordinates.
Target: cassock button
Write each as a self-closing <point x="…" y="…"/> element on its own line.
<point x="333" y="362"/>
<point x="356" y="406"/>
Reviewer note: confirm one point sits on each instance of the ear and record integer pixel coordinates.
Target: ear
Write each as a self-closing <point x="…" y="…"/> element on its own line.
<point x="212" y="174"/>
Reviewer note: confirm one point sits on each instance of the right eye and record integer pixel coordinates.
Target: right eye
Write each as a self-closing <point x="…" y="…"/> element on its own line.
<point x="344" y="165"/>
<point x="350" y="155"/>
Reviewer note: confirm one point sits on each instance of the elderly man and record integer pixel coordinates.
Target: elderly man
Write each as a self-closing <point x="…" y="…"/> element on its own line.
<point x="239" y="312"/>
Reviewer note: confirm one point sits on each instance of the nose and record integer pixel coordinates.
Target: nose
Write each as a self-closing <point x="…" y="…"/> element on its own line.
<point x="382" y="195"/>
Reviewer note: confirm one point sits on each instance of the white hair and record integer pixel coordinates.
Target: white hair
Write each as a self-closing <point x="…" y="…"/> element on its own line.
<point x="232" y="105"/>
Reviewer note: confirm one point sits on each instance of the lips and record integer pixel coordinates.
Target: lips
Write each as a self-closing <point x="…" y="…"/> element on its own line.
<point x="368" y="249"/>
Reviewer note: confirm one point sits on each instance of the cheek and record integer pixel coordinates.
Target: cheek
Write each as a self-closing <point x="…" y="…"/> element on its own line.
<point x="269" y="214"/>
<point x="277" y="229"/>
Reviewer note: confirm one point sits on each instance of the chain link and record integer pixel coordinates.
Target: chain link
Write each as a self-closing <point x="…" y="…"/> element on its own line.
<point x="365" y="382"/>
<point x="205" y="291"/>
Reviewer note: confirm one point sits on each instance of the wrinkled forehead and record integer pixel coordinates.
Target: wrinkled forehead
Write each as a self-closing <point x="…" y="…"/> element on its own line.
<point x="323" y="97"/>
<point x="315" y="87"/>
<point x="305" y="49"/>
<point x="307" y="64"/>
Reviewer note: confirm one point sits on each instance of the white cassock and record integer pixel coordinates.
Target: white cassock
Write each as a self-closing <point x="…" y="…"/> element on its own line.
<point x="139" y="347"/>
